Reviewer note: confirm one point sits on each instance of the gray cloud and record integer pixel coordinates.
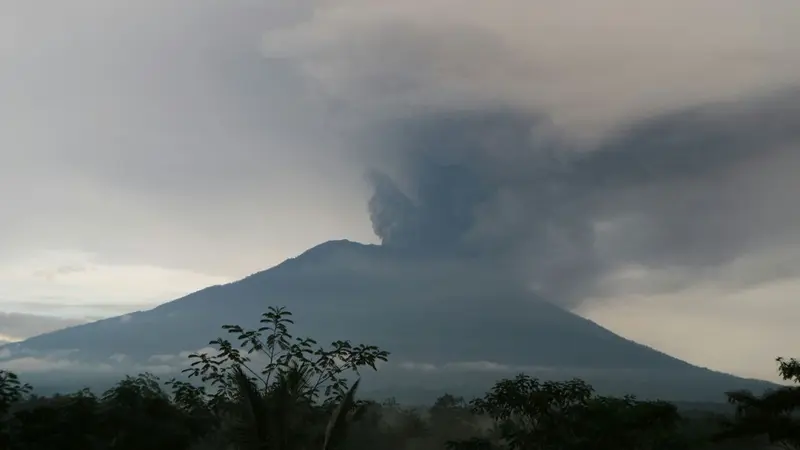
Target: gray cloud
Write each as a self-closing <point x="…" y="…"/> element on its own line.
<point x="62" y="305"/>
<point x="576" y="140"/>
<point x="587" y="67"/>
<point x="20" y="325"/>
<point x="222" y="136"/>
<point x="691" y="191"/>
<point x="126" y="128"/>
<point x="52" y="274"/>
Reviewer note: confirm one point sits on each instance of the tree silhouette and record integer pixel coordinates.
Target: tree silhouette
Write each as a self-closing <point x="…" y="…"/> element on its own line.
<point x="299" y="400"/>
<point x="773" y="415"/>
<point x="322" y="369"/>
<point x="272" y="391"/>
<point x="285" y="404"/>
<point x="12" y="390"/>
<point x="535" y="415"/>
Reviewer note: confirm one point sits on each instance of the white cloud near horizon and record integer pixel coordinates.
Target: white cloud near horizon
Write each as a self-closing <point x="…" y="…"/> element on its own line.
<point x="15" y="326"/>
<point x="150" y="150"/>
<point x="76" y="287"/>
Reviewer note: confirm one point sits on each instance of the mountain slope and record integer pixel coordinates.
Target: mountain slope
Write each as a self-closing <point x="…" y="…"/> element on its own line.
<point x="455" y="318"/>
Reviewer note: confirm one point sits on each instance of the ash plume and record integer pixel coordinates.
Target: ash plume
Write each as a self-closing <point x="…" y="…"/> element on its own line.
<point x="687" y="192"/>
<point x="577" y="144"/>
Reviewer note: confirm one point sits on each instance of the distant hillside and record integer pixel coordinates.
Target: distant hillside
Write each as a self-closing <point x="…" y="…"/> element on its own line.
<point x="448" y="325"/>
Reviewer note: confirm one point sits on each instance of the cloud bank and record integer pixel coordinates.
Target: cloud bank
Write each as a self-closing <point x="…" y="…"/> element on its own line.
<point x="588" y="67"/>
<point x="18" y="326"/>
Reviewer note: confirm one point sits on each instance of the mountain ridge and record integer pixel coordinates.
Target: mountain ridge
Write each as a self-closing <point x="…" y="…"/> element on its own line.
<point x="432" y="313"/>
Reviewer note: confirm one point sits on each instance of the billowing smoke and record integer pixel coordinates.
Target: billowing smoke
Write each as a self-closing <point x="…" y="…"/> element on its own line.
<point x="574" y="143"/>
<point x="687" y="192"/>
<point x="425" y="224"/>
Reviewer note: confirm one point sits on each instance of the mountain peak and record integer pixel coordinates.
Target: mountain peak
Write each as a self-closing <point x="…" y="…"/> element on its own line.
<point x="327" y="252"/>
<point x="442" y="312"/>
<point x="334" y="246"/>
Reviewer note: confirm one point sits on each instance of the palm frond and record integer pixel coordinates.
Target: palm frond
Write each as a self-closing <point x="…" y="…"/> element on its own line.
<point x="337" y="426"/>
<point x="250" y="431"/>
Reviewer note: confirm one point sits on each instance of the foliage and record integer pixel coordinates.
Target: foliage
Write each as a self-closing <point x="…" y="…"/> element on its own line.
<point x="284" y="404"/>
<point x="12" y="390"/>
<point x="568" y="415"/>
<point x="318" y="372"/>
<point x="301" y="400"/>
<point x="774" y="415"/>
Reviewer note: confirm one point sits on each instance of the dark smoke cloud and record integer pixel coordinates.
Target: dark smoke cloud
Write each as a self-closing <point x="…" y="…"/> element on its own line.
<point x="426" y="224"/>
<point x="570" y="142"/>
<point x="688" y="191"/>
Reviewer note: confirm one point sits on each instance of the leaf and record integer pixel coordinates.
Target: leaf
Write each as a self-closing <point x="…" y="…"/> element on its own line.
<point x="251" y="431"/>
<point x="337" y="426"/>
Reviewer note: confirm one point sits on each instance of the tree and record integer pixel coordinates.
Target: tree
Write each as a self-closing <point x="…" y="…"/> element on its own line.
<point x="68" y="422"/>
<point x="773" y="415"/>
<point x="300" y="398"/>
<point x="323" y="368"/>
<point x="531" y="414"/>
<point x="12" y="391"/>
<point x="137" y="413"/>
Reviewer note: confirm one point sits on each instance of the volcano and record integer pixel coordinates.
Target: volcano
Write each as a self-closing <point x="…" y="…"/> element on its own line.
<point x="449" y="325"/>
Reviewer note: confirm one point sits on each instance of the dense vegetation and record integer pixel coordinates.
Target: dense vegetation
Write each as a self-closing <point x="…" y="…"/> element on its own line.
<point x="302" y="399"/>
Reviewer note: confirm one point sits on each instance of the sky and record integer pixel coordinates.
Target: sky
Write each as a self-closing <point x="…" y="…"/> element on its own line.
<point x="152" y="149"/>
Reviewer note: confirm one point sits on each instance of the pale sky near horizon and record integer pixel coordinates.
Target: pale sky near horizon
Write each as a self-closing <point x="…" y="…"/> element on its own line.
<point x="149" y="149"/>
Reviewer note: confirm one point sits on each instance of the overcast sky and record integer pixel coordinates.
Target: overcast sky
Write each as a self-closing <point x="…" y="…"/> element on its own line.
<point x="151" y="148"/>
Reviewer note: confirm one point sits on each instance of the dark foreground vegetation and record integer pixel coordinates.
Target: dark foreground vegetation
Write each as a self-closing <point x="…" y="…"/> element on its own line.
<point x="273" y="391"/>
